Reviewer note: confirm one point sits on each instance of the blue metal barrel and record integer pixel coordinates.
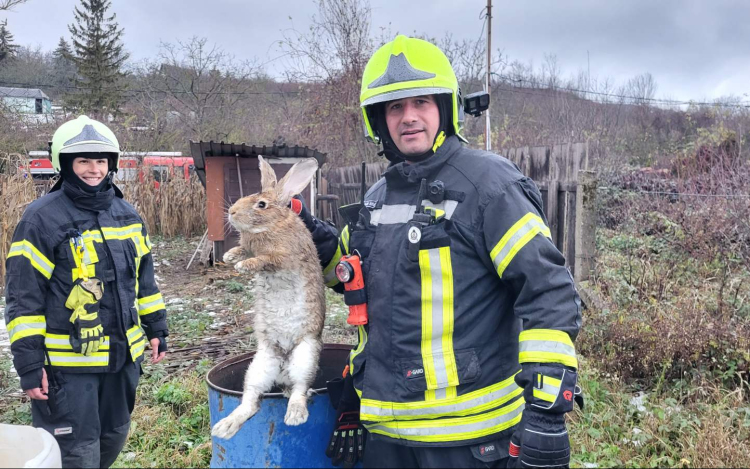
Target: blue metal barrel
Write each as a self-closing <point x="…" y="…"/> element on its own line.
<point x="265" y="440"/>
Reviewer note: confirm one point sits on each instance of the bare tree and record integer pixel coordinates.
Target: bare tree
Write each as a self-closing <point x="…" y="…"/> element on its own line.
<point x="7" y="5"/>
<point x="200" y="85"/>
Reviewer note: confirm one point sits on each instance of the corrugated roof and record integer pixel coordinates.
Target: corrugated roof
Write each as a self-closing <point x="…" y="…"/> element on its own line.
<point x="202" y="150"/>
<point x="34" y="93"/>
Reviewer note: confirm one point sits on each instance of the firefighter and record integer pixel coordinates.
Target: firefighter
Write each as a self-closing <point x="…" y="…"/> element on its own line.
<point x="468" y="356"/>
<point x="82" y="304"/>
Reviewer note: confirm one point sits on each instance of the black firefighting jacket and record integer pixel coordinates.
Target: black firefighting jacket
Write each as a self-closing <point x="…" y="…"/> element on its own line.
<point x="42" y="266"/>
<point x="483" y="291"/>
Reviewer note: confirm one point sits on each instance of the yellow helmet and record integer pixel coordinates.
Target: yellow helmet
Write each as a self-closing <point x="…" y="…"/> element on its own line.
<point x="84" y="135"/>
<point x="404" y="68"/>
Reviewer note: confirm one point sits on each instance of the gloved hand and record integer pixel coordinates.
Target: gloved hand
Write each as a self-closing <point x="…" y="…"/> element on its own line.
<point x="297" y="204"/>
<point x="347" y="443"/>
<point x="541" y="439"/>
<point x="88" y="333"/>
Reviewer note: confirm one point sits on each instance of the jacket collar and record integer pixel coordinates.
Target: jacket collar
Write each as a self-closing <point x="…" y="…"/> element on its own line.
<point x="411" y="173"/>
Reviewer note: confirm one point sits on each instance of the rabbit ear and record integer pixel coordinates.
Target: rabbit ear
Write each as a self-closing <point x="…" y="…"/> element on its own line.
<point x="296" y="179"/>
<point x="267" y="175"/>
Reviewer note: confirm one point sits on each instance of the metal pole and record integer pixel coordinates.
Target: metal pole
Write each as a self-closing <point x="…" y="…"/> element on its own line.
<point x="487" y="128"/>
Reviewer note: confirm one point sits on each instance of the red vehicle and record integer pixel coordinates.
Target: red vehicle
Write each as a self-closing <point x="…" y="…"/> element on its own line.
<point x="163" y="165"/>
<point x="39" y="166"/>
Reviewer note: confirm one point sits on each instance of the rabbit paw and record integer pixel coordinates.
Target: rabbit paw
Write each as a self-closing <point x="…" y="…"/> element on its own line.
<point x="227" y="427"/>
<point x="248" y="265"/>
<point x="296" y="413"/>
<point x="232" y="256"/>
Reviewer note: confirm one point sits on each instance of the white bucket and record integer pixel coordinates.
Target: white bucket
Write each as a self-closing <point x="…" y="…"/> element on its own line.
<point x="24" y="446"/>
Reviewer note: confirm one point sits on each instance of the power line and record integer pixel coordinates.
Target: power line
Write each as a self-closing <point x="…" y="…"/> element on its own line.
<point x="136" y="90"/>
<point x="679" y="194"/>
<point x="744" y="104"/>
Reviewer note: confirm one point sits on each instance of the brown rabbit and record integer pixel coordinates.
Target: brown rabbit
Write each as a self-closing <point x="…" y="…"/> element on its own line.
<point x="276" y="246"/>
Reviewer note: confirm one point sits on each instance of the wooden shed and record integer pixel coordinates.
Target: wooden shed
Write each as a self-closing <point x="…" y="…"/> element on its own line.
<point x="230" y="171"/>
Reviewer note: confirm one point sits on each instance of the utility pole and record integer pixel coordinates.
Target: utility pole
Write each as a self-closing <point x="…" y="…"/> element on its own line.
<point x="487" y="128"/>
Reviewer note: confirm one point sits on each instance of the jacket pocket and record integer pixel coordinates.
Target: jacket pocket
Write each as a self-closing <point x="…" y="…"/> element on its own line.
<point x="437" y="371"/>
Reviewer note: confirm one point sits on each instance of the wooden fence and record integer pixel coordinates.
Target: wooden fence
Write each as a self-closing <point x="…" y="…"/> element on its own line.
<point x="561" y="172"/>
<point x="568" y="188"/>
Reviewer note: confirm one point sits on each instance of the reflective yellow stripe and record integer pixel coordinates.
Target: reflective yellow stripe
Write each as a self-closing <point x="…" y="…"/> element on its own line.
<point x="26" y="326"/>
<point x="438" y="357"/>
<point x="62" y="342"/>
<point x="72" y="359"/>
<point x="150" y="304"/>
<point x="547" y="346"/>
<point x="515" y="239"/>
<point x="360" y="347"/>
<point x="345" y="239"/>
<point x="329" y="273"/>
<point x="136" y="341"/>
<point x="38" y="260"/>
<point x="471" y="403"/>
<point x="452" y="429"/>
<point x="539" y="394"/>
<point x="122" y="233"/>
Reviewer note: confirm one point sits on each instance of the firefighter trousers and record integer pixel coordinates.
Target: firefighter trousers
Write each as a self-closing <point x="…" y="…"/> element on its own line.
<point x="89" y="414"/>
<point x="379" y="452"/>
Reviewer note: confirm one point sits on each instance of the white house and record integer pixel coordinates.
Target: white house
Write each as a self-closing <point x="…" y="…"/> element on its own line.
<point x="26" y="100"/>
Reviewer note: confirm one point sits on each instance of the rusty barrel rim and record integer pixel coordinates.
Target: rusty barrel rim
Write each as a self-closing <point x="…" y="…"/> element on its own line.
<point x="245" y="356"/>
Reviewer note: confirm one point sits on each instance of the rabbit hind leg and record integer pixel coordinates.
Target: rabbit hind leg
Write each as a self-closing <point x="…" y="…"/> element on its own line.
<point x="259" y="379"/>
<point x="302" y="368"/>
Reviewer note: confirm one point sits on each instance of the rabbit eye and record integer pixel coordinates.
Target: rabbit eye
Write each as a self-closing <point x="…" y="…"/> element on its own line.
<point x="261" y="204"/>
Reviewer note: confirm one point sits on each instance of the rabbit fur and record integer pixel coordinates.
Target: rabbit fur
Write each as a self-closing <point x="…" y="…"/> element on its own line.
<point x="289" y="294"/>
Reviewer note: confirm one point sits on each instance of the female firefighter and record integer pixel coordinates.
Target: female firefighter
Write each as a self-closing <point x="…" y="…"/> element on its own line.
<point x="81" y="300"/>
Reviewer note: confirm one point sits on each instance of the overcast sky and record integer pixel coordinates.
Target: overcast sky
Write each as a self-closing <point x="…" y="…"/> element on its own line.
<point x="696" y="50"/>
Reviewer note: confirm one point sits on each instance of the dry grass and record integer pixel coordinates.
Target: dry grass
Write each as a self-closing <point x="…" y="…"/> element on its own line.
<point x="176" y="208"/>
<point x="16" y="194"/>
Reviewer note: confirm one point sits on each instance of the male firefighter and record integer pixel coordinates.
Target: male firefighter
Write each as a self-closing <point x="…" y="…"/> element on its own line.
<point x="81" y="300"/>
<point x="467" y="357"/>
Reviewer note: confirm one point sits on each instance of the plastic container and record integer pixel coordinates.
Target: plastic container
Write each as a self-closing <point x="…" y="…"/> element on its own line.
<point x="24" y="446"/>
<point x="265" y="440"/>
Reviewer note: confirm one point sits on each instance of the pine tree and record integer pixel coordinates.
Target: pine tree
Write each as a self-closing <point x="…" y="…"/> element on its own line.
<point x="8" y="50"/>
<point x="63" y="67"/>
<point x="99" y="56"/>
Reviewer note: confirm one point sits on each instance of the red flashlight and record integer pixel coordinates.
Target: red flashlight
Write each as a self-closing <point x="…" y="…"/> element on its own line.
<point x="349" y="272"/>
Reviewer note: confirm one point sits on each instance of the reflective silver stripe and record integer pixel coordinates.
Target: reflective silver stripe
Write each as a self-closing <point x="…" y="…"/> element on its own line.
<point x="393" y="214"/>
<point x="66" y="342"/>
<point x="40" y="327"/>
<point x="137" y="347"/>
<point x="438" y="327"/>
<point x="546" y="346"/>
<point x="445" y="427"/>
<point x="402" y="213"/>
<point x="119" y="232"/>
<point x="437" y="409"/>
<point x="530" y="225"/>
<point x="549" y="389"/>
<point x="77" y="358"/>
<point x="150" y="304"/>
<point x="42" y="263"/>
<point x="134" y="334"/>
<point x="441" y="393"/>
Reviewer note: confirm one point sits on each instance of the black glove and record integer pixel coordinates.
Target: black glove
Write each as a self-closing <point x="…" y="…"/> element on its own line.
<point x="541" y="439"/>
<point x="347" y="443"/>
<point x="162" y="345"/>
<point x="31" y="379"/>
